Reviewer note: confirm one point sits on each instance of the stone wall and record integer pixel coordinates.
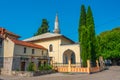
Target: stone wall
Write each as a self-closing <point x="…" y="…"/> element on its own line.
<point x="16" y="63"/>
<point x="28" y="74"/>
<point x="7" y="66"/>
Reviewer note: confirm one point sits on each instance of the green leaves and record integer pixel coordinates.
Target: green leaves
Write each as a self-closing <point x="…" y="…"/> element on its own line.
<point x="109" y="42"/>
<point x="87" y="36"/>
<point x="43" y="28"/>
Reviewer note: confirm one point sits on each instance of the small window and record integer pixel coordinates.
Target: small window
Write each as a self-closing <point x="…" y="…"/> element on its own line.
<point x="0" y="42"/>
<point x="33" y="51"/>
<point x="24" y="49"/>
<point x="51" y="48"/>
<point x="39" y="63"/>
<point x="42" y="52"/>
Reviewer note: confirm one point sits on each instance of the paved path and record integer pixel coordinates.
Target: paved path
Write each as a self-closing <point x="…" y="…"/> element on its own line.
<point x="112" y="74"/>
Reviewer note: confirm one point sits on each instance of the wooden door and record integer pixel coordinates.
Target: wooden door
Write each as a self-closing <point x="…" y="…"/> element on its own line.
<point x="22" y="66"/>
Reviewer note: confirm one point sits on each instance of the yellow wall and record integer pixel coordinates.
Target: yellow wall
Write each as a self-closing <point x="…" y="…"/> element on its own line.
<point x="8" y="55"/>
<point x="59" y="49"/>
<point x="19" y="50"/>
<point x="65" y="41"/>
<point x="8" y="48"/>
<point x="56" y="47"/>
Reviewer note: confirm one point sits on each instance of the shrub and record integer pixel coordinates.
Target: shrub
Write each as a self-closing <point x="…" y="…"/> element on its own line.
<point x="41" y="68"/>
<point x="31" y="67"/>
<point x="45" y="67"/>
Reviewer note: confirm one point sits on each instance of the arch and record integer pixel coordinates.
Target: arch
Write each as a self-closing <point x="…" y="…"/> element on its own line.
<point x="69" y="54"/>
<point x="51" y="48"/>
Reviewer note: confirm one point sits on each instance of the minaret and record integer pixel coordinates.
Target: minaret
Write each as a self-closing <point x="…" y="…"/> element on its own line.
<point x="56" y="26"/>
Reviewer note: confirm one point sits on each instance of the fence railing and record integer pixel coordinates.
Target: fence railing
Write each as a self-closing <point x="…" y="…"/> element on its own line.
<point x="66" y="65"/>
<point x="61" y="67"/>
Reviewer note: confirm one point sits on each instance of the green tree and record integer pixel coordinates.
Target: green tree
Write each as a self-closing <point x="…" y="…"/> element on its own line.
<point x="87" y="37"/>
<point x="82" y="21"/>
<point x="84" y="45"/>
<point x="109" y="42"/>
<point x="82" y="35"/>
<point x="91" y="36"/>
<point x="43" y="28"/>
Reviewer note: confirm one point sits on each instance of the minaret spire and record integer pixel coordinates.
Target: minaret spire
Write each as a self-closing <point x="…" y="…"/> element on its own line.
<point x="56" y="26"/>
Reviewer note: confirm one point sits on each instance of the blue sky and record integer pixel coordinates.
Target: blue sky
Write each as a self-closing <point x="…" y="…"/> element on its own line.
<point x="23" y="17"/>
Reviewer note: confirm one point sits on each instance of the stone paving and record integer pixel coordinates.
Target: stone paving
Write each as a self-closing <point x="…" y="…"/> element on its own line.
<point x="112" y="74"/>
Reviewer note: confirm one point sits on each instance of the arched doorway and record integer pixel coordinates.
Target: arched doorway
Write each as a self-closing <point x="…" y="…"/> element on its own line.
<point x="69" y="55"/>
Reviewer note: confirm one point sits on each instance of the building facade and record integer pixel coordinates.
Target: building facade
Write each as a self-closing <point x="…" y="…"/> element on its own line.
<point x="48" y="48"/>
<point x="60" y="48"/>
<point x="17" y="55"/>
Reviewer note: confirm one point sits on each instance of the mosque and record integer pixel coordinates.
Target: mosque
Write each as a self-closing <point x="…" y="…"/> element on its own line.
<point x="50" y="47"/>
<point x="59" y="46"/>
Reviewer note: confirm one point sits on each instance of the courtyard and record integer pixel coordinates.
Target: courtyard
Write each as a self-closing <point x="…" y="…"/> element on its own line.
<point x="113" y="73"/>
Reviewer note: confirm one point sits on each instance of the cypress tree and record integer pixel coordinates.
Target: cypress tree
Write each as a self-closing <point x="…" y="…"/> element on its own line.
<point x="91" y="36"/>
<point x="87" y="36"/>
<point x="43" y="28"/>
<point x="82" y="21"/>
<point x="82" y="36"/>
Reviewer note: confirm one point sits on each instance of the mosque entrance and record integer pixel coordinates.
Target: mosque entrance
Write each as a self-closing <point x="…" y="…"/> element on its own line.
<point x="69" y="56"/>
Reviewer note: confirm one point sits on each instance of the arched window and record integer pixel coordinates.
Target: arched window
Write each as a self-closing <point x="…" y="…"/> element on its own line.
<point x="51" y="48"/>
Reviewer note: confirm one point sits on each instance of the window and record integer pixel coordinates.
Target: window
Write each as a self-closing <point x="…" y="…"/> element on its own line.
<point x="42" y="52"/>
<point x="0" y="42"/>
<point x="51" y="48"/>
<point x="24" y="49"/>
<point x="33" y="51"/>
<point x="39" y="63"/>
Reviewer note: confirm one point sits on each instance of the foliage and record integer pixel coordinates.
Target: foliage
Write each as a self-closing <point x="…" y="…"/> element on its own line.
<point x="31" y="67"/>
<point x="109" y="42"/>
<point x="41" y="67"/>
<point x="17" y="70"/>
<point x="45" y="67"/>
<point x="91" y="36"/>
<point x="82" y="35"/>
<point x="43" y="28"/>
<point x="87" y="36"/>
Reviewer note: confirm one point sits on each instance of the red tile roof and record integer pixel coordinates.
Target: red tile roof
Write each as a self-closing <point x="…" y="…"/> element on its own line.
<point x="28" y="44"/>
<point x="3" y="31"/>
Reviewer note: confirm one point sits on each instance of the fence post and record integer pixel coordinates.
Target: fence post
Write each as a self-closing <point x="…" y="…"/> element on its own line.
<point x="69" y="64"/>
<point x="102" y="65"/>
<point x="97" y="63"/>
<point x="88" y="66"/>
